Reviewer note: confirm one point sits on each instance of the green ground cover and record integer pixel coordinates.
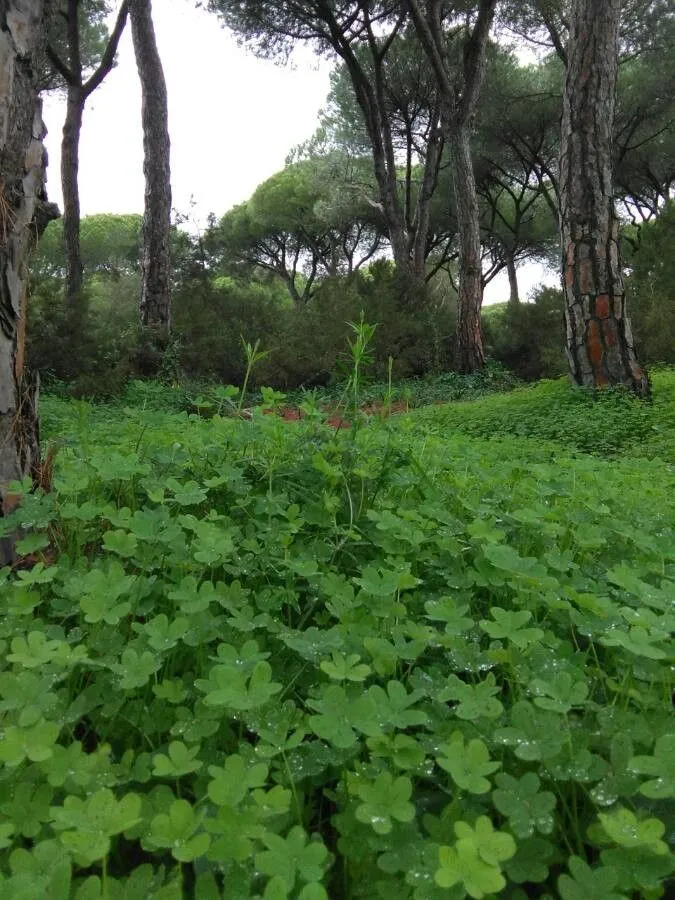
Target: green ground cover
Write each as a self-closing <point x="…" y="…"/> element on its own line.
<point x="423" y="658"/>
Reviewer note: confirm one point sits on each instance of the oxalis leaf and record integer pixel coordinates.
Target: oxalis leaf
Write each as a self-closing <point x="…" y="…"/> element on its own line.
<point x="385" y="799"/>
<point x="534" y="734"/>
<point x="509" y="625"/>
<point x="89" y="824"/>
<point x="475" y="859"/>
<point x="345" y="668"/>
<point x="181" y="760"/>
<point x="177" y="831"/>
<point x="228" y="687"/>
<point x="292" y="857"/>
<point x="622" y="827"/>
<point x="661" y="765"/>
<point x="232" y="782"/>
<point x="468" y="764"/>
<point x="475" y="700"/>
<point x="527" y="809"/>
<point x="584" y="882"/>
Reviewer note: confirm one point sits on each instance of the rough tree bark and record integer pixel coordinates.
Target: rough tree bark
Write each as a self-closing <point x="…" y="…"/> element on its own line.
<point x="600" y="345"/>
<point x="459" y="88"/>
<point x="155" y="305"/>
<point x="78" y="93"/>
<point x="469" y="355"/>
<point x="24" y="213"/>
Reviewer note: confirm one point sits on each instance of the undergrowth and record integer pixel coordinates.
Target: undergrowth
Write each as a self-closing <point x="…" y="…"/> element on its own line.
<point x="254" y="659"/>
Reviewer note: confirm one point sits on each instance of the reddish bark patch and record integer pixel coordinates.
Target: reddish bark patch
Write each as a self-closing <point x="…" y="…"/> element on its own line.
<point x="602" y="306"/>
<point x="595" y="349"/>
<point x="569" y="276"/>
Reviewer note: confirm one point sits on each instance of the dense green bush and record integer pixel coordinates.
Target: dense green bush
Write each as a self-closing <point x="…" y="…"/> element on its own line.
<point x="414" y="327"/>
<point x="528" y="338"/>
<point x="97" y="347"/>
<point x="651" y="289"/>
<point x="89" y="347"/>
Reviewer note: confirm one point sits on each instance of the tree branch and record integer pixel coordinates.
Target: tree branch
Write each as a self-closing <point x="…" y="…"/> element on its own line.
<point x="108" y="59"/>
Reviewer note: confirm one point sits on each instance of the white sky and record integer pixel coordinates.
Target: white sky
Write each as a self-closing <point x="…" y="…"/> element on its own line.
<point x="233" y="119"/>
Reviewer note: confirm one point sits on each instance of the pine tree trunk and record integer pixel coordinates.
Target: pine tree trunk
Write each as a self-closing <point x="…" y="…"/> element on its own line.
<point x="600" y="345"/>
<point x="24" y="213"/>
<point x="155" y="306"/>
<point x="512" y="272"/>
<point x="70" y="166"/>
<point x="469" y="355"/>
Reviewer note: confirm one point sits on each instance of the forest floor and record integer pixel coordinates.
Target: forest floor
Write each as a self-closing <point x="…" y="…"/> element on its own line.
<point x="424" y="657"/>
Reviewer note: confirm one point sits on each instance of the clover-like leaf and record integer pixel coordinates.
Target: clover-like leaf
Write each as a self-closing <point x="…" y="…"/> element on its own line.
<point x="181" y="760"/>
<point x="475" y="859"/>
<point x="468" y="764"/>
<point x="637" y="640"/>
<point x="527" y="809"/>
<point x="33" y="651"/>
<point x="623" y="827"/>
<point x="88" y="825"/>
<point x="535" y="734"/>
<point x="232" y="782"/>
<point x="393" y="708"/>
<point x="661" y="766"/>
<point x="123" y="543"/>
<point x="230" y="688"/>
<point x="404" y="751"/>
<point x="292" y="857"/>
<point x="559" y="693"/>
<point x="475" y="700"/>
<point x="35" y="743"/>
<point x="509" y="625"/>
<point x="345" y="668"/>
<point x="584" y="882"/>
<point x="178" y="831"/>
<point x="135" y="669"/>
<point x="454" y="615"/>
<point x="333" y="722"/>
<point x="465" y="867"/>
<point x="385" y="799"/>
<point x="162" y="634"/>
<point x="531" y="862"/>
<point x="493" y="847"/>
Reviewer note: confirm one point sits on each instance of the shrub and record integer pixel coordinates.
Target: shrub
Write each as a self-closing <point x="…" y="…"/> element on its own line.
<point x="528" y="338"/>
<point x="651" y="290"/>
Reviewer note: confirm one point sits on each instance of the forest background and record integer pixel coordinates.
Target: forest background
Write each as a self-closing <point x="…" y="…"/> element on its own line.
<point x="229" y="276"/>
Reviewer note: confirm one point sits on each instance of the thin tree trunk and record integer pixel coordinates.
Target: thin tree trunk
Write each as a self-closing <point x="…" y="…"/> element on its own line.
<point x="24" y="213"/>
<point x="469" y="354"/>
<point x="70" y="166"/>
<point x="600" y="345"/>
<point x="78" y="92"/>
<point x="514" y="295"/>
<point x="155" y="305"/>
<point x="459" y="97"/>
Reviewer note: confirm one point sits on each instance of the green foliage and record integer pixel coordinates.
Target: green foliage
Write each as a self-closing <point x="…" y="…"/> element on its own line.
<point x="651" y="291"/>
<point x="528" y="338"/>
<point x="263" y="659"/>
<point x="605" y="424"/>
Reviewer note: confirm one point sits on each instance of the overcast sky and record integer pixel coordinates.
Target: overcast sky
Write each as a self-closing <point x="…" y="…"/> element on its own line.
<point x="233" y="119"/>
